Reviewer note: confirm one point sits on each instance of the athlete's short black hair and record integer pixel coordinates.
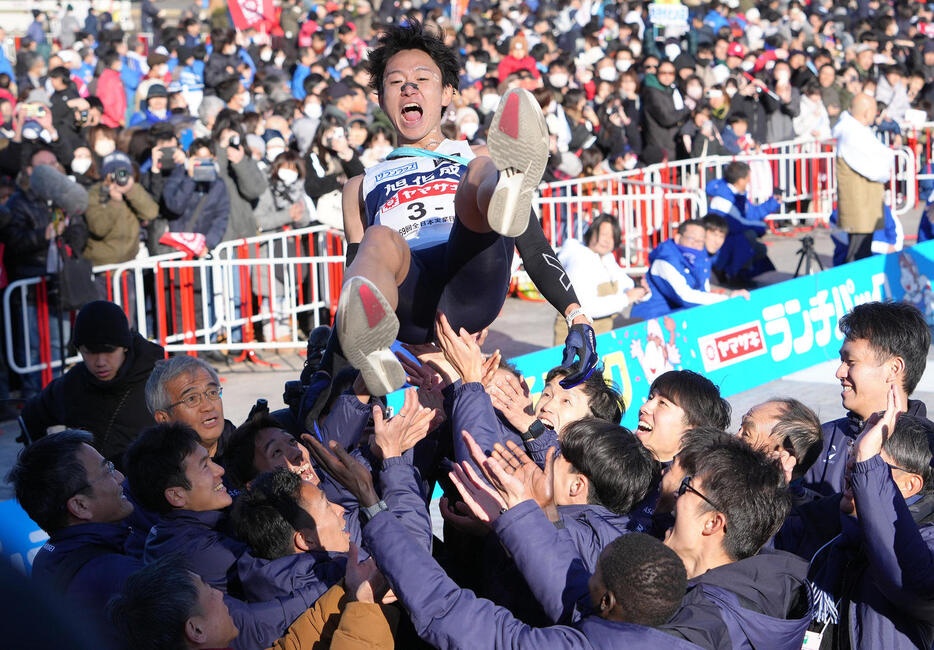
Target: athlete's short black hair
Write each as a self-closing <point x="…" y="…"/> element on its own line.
<point x="696" y="395"/>
<point x="412" y="35"/>
<point x="619" y="468"/>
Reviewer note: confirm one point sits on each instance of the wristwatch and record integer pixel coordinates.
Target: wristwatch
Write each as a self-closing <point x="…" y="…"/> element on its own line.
<point x="574" y="314"/>
<point x="371" y="511"/>
<point x="535" y="430"/>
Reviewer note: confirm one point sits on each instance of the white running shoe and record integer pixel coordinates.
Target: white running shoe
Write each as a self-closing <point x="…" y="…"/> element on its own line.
<point x="366" y="327"/>
<point x="518" y="144"/>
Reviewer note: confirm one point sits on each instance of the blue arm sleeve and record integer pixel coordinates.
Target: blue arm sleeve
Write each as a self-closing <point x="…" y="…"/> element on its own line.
<point x="473" y="411"/>
<point x="900" y="559"/>
<point x="443" y="614"/>
<point x="401" y="490"/>
<point x="345" y="422"/>
<point x="538" y="447"/>
<point x="551" y="564"/>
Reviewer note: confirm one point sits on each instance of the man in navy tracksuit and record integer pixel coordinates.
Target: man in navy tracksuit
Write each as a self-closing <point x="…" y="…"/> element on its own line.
<point x="872" y="547"/>
<point x="76" y="496"/>
<point x="679" y="274"/>
<point x="724" y="514"/>
<point x="742" y="256"/>
<point x="448" y="616"/>
<point x="885" y="345"/>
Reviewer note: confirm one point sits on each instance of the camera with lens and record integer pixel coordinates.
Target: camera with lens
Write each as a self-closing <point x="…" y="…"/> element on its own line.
<point x="121" y="177"/>
<point x="234" y="141"/>
<point x="204" y="171"/>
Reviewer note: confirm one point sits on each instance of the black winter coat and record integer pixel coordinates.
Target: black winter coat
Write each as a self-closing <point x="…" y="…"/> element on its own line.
<point x="114" y="411"/>
<point x="661" y="120"/>
<point x="27" y="248"/>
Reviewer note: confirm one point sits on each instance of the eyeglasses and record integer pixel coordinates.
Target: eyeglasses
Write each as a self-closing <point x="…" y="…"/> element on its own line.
<point x="194" y="399"/>
<point x="686" y="487"/>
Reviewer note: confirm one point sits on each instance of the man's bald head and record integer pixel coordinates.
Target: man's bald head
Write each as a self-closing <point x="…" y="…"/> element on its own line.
<point x="863" y="109"/>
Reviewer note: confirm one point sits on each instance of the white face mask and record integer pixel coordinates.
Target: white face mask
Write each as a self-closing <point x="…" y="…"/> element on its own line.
<point x="782" y="76"/>
<point x="585" y="76"/>
<point x="469" y="129"/>
<point x="730" y="91"/>
<point x="273" y="152"/>
<point x="287" y="176"/>
<point x="558" y="80"/>
<point x="489" y="102"/>
<point x="245" y="99"/>
<point x="104" y="147"/>
<point x="80" y="165"/>
<point x="475" y="70"/>
<point x="279" y="60"/>
<point x="623" y="64"/>
<point x="747" y="65"/>
<point x="608" y="74"/>
<point x="265" y="55"/>
<point x="313" y="110"/>
<point x="695" y="92"/>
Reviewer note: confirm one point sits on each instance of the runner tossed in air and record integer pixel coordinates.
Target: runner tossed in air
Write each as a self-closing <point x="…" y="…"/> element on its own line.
<point x="433" y="228"/>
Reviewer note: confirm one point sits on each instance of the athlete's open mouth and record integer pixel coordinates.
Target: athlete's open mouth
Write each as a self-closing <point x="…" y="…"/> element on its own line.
<point x="412" y="112"/>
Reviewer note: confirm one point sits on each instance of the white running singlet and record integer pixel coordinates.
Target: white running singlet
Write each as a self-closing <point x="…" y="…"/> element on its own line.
<point x="415" y="195"/>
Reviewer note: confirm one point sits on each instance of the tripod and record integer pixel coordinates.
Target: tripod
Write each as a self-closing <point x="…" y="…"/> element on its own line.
<point x="807" y="254"/>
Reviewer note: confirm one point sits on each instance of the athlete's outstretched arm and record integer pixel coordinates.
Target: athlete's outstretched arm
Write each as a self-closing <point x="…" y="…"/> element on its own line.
<point x="553" y="282"/>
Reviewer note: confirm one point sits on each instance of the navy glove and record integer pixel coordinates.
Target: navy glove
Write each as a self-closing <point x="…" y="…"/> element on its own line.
<point x="580" y="343"/>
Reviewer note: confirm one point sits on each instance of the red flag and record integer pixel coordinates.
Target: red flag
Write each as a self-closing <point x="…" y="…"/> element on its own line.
<point x="248" y="13"/>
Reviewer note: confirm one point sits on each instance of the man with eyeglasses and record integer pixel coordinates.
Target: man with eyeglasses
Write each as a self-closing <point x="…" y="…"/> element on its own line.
<point x="187" y="390"/>
<point x="679" y="274"/>
<point x="75" y="495"/>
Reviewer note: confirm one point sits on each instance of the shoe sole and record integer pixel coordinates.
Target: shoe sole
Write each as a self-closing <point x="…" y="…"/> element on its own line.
<point x="367" y="326"/>
<point x="518" y="143"/>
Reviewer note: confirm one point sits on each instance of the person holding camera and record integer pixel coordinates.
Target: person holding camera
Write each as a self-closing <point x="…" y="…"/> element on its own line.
<point x="196" y="197"/>
<point x="241" y="174"/>
<point x="117" y="206"/>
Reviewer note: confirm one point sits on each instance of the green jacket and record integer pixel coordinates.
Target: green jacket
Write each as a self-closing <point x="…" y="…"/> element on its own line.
<point x="113" y="226"/>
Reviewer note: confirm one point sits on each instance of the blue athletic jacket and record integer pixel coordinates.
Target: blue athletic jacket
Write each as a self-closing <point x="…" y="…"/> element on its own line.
<point x="98" y="573"/>
<point x="879" y="567"/>
<point x="826" y="475"/>
<point x="676" y="281"/>
<point x="758" y="602"/>
<point x="471" y="410"/>
<point x="211" y="554"/>
<point x="450" y="617"/>
<point x="741" y="214"/>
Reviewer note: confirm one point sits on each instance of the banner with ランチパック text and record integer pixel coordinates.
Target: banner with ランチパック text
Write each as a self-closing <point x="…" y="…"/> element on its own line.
<point x="740" y="344"/>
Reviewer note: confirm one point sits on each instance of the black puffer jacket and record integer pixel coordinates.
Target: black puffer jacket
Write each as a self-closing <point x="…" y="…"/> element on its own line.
<point x="27" y="248"/>
<point x="114" y="411"/>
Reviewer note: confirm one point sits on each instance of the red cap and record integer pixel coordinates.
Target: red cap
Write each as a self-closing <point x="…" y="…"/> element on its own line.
<point x="735" y="49"/>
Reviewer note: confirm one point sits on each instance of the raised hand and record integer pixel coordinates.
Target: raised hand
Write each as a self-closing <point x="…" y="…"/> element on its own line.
<point x="363" y="581"/>
<point x="429" y="354"/>
<point x="345" y="470"/>
<point x="401" y="432"/>
<point x="462" y="518"/>
<point x="879" y="427"/>
<point x="460" y="349"/>
<point x="510" y="489"/>
<point x="538" y="483"/>
<point x="511" y="398"/>
<point x="485" y="504"/>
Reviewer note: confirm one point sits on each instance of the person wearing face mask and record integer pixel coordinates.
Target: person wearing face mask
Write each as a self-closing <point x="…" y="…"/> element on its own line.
<point x="111" y="91"/>
<point x="103" y="140"/>
<point x="517" y="59"/>
<point x="781" y="105"/>
<point x="663" y="113"/>
<point x="475" y="68"/>
<point x="155" y="107"/>
<point x="82" y="166"/>
<point x="223" y="62"/>
<point x="467" y="123"/>
<point x="283" y="203"/>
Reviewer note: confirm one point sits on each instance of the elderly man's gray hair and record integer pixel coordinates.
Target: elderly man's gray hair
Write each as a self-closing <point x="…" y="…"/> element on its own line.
<point x="157" y="397"/>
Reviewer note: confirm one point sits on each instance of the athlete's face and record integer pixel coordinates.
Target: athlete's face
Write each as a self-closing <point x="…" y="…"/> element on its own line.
<point x="413" y="96"/>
